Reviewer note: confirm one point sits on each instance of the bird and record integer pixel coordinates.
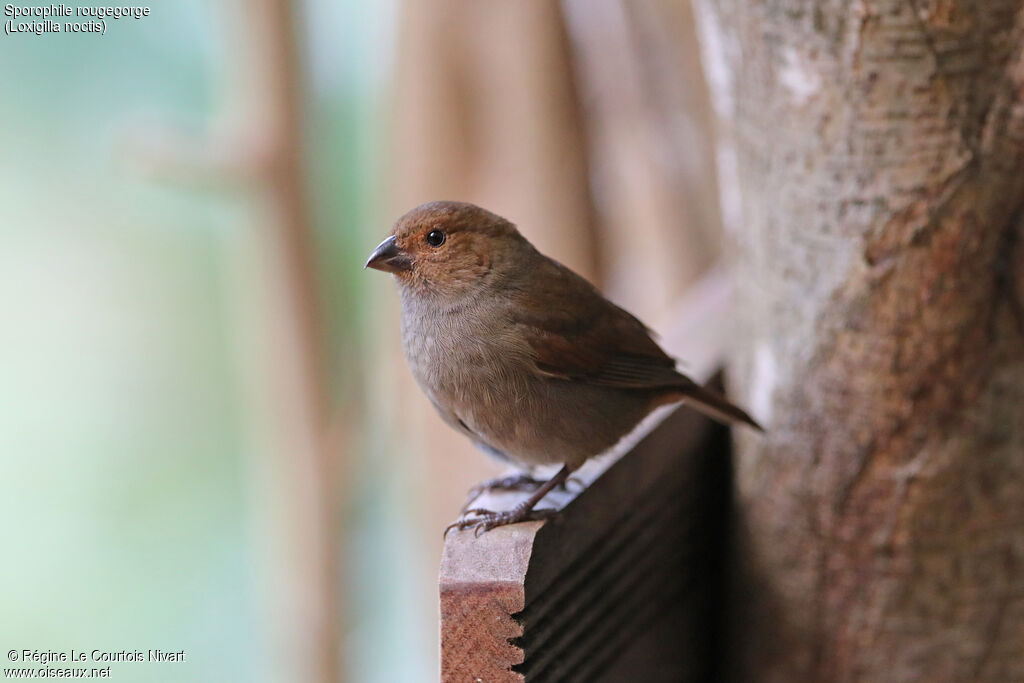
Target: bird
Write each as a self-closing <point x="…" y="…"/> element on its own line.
<point x="522" y="355"/>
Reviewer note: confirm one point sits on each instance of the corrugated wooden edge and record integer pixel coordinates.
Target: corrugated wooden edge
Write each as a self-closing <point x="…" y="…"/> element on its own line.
<point x="535" y="575"/>
<point x="482" y="586"/>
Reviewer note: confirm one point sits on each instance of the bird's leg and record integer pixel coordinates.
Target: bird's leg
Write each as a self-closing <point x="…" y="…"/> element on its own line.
<point x="485" y="520"/>
<point x="514" y="482"/>
<point x="522" y="481"/>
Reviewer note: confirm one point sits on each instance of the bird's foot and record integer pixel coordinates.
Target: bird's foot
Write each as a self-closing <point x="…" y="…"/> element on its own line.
<point x="481" y="520"/>
<point x="514" y="482"/>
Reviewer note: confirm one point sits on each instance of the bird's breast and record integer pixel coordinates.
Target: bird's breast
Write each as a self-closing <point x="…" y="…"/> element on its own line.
<point x="481" y="378"/>
<point x="464" y="362"/>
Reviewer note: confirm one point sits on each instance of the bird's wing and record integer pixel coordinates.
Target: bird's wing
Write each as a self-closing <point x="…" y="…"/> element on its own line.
<point x="576" y="334"/>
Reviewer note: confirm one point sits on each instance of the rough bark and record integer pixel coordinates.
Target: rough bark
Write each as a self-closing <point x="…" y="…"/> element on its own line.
<point x="875" y="152"/>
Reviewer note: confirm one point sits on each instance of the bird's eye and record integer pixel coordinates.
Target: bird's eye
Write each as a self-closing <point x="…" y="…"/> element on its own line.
<point x="435" y="238"/>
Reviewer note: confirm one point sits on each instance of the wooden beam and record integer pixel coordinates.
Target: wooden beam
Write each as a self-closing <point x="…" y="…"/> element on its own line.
<point x="620" y="582"/>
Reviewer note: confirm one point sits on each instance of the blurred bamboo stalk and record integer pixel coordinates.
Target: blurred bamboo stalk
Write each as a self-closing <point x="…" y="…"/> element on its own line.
<point x="257" y="146"/>
<point x="651" y="147"/>
<point x="303" y="487"/>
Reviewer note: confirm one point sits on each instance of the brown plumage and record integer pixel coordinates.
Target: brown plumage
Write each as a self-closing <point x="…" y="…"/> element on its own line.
<point x="519" y="353"/>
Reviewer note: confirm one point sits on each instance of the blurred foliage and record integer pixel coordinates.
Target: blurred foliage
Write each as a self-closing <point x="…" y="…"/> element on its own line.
<point x="122" y="483"/>
<point x="125" y="492"/>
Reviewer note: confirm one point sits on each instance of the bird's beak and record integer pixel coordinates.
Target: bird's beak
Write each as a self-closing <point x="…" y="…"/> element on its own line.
<point x="389" y="257"/>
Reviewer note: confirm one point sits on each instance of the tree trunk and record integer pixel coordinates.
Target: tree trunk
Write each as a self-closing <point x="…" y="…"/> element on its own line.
<point x="876" y="154"/>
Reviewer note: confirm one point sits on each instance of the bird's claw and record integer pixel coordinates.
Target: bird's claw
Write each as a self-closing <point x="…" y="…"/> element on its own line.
<point x="482" y="520"/>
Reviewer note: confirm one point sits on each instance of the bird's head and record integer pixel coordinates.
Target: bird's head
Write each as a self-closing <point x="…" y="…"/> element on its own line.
<point x="449" y="249"/>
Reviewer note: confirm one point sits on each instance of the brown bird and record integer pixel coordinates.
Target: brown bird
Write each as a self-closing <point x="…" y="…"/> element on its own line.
<point x="521" y="354"/>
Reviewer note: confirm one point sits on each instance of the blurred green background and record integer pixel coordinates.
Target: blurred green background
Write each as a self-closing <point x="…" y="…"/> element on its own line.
<point x="126" y="496"/>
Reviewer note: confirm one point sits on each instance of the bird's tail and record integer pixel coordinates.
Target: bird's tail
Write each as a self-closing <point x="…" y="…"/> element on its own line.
<point x="715" y="406"/>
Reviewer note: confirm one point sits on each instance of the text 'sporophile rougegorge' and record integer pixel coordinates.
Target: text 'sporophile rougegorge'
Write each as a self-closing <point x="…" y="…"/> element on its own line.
<point x="41" y="20"/>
